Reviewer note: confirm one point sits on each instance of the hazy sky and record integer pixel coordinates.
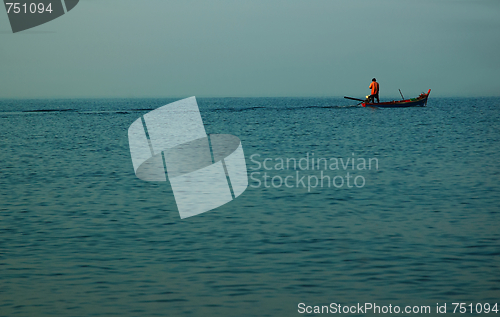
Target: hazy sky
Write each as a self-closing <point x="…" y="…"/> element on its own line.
<point x="161" y="48"/>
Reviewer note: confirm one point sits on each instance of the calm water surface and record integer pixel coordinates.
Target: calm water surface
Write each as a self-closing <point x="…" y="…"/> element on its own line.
<point x="80" y="235"/>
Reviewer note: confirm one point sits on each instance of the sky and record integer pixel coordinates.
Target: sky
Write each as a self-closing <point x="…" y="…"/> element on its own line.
<point x="257" y="48"/>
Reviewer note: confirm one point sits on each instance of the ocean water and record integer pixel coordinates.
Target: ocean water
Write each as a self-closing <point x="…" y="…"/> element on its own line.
<point x="80" y="235"/>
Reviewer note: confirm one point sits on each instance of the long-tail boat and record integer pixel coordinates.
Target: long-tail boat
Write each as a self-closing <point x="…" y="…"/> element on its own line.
<point x="420" y="101"/>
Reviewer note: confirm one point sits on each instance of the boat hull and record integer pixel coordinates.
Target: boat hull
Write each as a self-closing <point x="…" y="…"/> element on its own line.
<point x="420" y="101"/>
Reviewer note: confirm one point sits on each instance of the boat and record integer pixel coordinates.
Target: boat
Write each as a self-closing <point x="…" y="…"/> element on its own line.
<point x="420" y="101"/>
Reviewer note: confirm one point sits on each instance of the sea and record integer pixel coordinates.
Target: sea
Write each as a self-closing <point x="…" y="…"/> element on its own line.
<point x="346" y="207"/>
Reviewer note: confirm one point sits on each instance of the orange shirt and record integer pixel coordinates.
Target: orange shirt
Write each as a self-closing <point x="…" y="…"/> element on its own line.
<point x="374" y="87"/>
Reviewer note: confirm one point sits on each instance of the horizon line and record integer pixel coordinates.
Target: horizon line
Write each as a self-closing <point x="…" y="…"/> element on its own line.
<point x="394" y="97"/>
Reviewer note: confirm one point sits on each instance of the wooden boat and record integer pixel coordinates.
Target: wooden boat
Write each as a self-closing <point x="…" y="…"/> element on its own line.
<point x="420" y="101"/>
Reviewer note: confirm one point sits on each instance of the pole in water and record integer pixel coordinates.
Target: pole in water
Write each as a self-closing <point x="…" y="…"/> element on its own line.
<point x="401" y="94"/>
<point x="353" y="98"/>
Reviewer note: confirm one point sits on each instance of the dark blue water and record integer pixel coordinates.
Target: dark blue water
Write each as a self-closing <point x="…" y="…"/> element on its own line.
<point x="80" y="235"/>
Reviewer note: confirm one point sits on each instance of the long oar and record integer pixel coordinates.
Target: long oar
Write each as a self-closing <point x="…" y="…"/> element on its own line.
<point x="401" y="94"/>
<point x="354" y="98"/>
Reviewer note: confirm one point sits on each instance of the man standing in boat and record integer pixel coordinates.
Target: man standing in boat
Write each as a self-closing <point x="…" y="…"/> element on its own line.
<point x="375" y="88"/>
